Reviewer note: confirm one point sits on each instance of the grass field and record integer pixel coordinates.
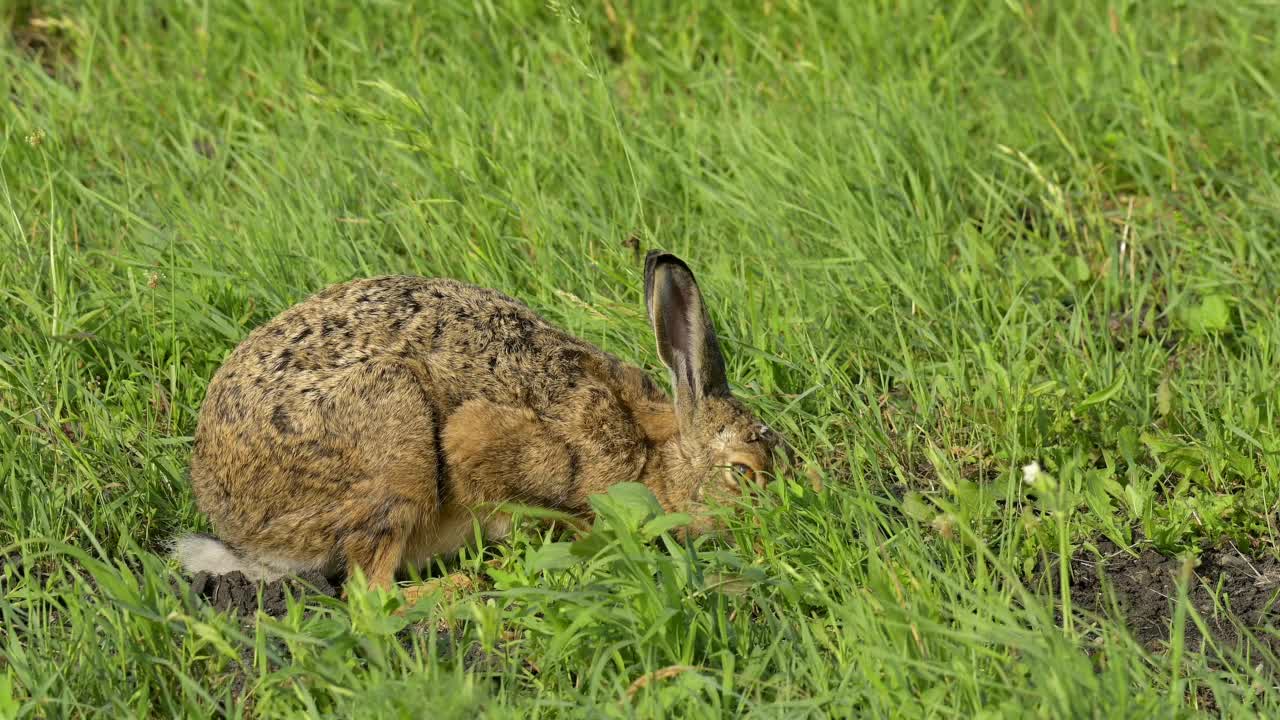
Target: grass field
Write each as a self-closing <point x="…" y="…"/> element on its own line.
<point x="941" y="241"/>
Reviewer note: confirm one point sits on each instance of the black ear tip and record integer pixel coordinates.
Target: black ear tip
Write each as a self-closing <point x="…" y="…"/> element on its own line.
<point x="654" y="258"/>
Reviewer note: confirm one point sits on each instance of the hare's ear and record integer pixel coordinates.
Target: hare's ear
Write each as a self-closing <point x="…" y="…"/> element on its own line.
<point x="686" y="339"/>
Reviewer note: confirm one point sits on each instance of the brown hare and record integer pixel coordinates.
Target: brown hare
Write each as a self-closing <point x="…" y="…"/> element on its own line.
<point x="369" y="425"/>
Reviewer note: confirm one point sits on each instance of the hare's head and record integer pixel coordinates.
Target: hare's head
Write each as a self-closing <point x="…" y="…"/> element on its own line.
<point x="723" y="446"/>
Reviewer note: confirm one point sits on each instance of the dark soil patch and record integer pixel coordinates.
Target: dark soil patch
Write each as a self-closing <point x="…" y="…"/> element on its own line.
<point x="243" y="598"/>
<point x="43" y="40"/>
<point x="13" y="560"/>
<point x="473" y="656"/>
<point x="1146" y="323"/>
<point x="1227" y="590"/>
<point x="238" y="594"/>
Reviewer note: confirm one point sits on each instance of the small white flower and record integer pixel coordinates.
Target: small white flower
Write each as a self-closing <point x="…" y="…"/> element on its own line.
<point x="1030" y="473"/>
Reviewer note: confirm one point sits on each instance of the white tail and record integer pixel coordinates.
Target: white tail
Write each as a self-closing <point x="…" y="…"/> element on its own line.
<point x="205" y="553"/>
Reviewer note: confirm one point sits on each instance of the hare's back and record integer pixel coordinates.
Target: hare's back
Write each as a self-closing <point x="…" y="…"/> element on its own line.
<point x="462" y="340"/>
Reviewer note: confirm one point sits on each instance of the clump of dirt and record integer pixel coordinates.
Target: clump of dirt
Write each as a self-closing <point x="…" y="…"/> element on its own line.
<point x="450" y="646"/>
<point x="238" y="594"/>
<point x="13" y="560"/>
<point x="1227" y="590"/>
<point x="1147" y="322"/>
<point x="50" y="42"/>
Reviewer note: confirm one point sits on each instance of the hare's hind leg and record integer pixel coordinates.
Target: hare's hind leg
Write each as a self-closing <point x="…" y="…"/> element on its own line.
<point x="377" y="556"/>
<point x="395" y="491"/>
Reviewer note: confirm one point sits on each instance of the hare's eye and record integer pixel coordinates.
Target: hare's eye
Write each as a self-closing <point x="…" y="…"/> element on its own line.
<point x="744" y="472"/>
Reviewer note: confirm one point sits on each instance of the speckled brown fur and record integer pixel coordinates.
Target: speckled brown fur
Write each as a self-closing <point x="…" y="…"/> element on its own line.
<point x="369" y="424"/>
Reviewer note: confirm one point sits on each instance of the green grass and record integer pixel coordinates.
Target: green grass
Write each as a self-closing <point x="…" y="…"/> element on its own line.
<point x="939" y="244"/>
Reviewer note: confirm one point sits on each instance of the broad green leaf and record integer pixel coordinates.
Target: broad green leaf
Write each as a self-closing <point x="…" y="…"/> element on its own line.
<point x="915" y="506"/>
<point x="1164" y="398"/>
<point x="553" y="556"/>
<point x="663" y="523"/>
<point x="1106" y="393"/>
<point x="630" y="503"/>
<point x="1211" y="314"/>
